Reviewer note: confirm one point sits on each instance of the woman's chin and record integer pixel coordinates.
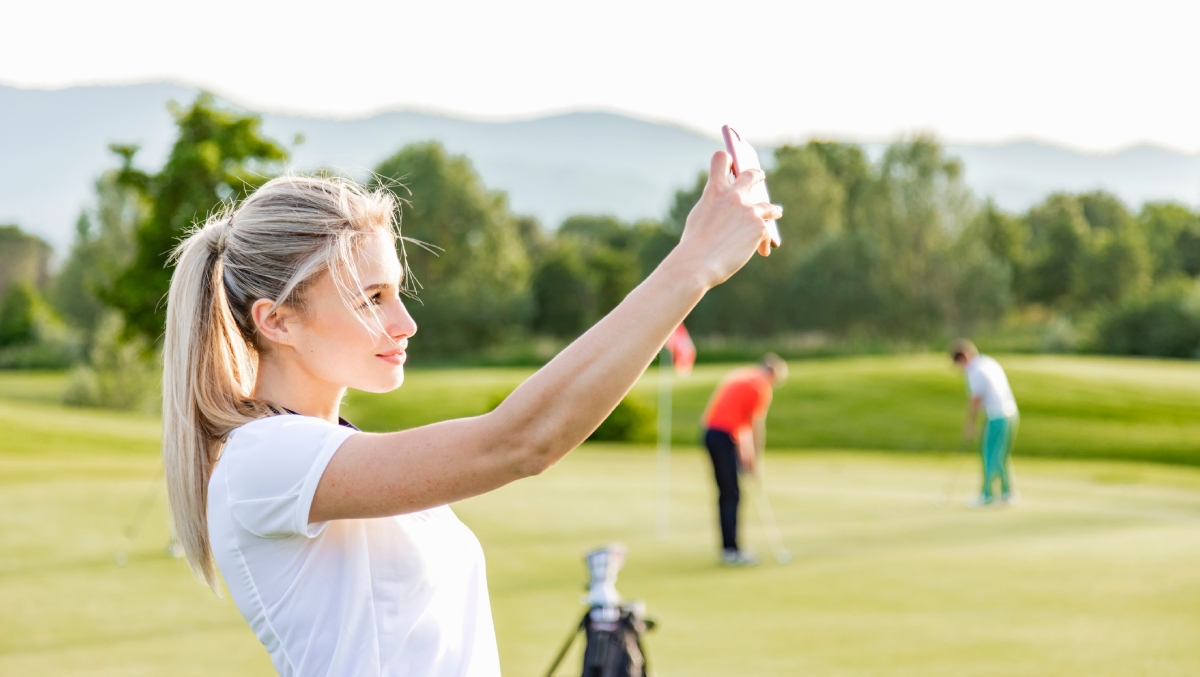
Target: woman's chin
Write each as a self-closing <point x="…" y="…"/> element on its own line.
<point x="383" y="383"/>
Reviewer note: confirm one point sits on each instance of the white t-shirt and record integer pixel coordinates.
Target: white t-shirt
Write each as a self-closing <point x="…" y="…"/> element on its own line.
<point x="986" y="379"/>
<point x="391" y="596"/>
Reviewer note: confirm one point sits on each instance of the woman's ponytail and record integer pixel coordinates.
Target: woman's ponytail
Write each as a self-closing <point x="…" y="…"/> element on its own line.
<point x="207" y="376"/>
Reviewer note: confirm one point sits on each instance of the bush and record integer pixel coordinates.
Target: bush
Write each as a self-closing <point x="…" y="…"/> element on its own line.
<point x="1163" y="323"/>
<point x="118" y="376"/>
<point x="18" y="312"/>
<point x="631" y="421"/>
<point x="1059" y="336"/>
<point x="40" y="355"/>
<point x="31" y="335"/>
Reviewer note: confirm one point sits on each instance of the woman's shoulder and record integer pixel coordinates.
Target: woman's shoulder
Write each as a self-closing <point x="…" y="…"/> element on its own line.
<point x="277" y="453"/>
<point x="284" y="433"/>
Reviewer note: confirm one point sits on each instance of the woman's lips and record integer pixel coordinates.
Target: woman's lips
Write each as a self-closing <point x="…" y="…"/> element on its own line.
<point x="395" y="357"/>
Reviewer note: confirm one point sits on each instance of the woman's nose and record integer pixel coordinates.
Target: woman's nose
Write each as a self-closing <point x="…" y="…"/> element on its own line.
<point x="400" y="324"/>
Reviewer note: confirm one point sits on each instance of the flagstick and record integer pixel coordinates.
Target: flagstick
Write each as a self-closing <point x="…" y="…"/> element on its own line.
<point x="665" y="367"/>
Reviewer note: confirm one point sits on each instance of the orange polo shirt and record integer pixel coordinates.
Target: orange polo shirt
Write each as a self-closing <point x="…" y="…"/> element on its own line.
<point x="742" y="397"/>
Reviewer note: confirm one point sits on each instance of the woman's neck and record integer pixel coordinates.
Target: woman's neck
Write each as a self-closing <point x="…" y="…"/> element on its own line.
<point x="290" y="387"/>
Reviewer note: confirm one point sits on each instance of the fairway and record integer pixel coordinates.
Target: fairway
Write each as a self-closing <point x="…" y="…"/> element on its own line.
<point x="1096" y="572"/>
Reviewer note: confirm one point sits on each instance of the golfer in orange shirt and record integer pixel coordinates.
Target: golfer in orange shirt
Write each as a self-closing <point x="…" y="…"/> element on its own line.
<point x="735" y="434"/>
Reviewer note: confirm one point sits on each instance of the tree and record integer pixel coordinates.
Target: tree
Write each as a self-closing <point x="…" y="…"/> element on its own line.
<point x="1004" y="235"/>
<point x="24" y="258"/>
<point x="924" y="207"/>
<point x="1058" y="234"/>
<point x="219" y="155"/>
<point x="564" y="293"/>
<point x="1115" y="264"/>
<point x="1164" y="322"/>
<point x="831" y="289"/>
<point x="1173" y="236"/>
<point x="1104" y="211"/>
<point x="654" y="242"/>
<point x="982" y="285"/>
<point x="593" y="263"/>
<point x="476" y="290"/>
<point x="616" y="254"/>
<point x="18" y="314"/>
<point x="604" y="230"/>
<point x="534" y="239"/>
<point x="813" y="199"/>
<point x="103" y="246"/>
<point x="682" y="203"/>
<point x="849" y="163"/>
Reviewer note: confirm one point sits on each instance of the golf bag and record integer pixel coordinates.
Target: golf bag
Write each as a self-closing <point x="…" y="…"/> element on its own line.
<point x="614" y="647"/>
<point x="613" y="631"/>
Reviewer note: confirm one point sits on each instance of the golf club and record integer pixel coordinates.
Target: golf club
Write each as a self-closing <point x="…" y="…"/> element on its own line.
<point x="139" y="516"/>
<point x="767" y="517"/>
<point x="956" y="472"/>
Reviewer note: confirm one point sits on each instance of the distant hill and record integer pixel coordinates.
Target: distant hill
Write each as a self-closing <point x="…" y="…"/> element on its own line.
<point x="54" y="143"/>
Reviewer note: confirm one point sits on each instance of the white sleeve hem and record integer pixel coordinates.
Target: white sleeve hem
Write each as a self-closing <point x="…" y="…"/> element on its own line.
<point x="309" y="489"/>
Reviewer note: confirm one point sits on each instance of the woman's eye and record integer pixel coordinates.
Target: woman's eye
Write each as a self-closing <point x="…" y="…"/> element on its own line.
<point x="374" y="300"/>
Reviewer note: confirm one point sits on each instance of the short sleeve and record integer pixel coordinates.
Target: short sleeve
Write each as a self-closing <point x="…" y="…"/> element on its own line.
<point x="271" y="469"/>
<point x="976" y="382"/>
<point x="763" y="393"/>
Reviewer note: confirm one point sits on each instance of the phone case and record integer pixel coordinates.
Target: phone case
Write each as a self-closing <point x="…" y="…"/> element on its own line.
<point x="745" y="157"/>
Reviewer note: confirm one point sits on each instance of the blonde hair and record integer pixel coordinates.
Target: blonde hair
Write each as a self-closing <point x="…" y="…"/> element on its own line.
<point x="273" y="245"/>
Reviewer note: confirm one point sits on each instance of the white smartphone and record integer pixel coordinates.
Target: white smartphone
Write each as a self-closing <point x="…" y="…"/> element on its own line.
<point x="745" y="158"/>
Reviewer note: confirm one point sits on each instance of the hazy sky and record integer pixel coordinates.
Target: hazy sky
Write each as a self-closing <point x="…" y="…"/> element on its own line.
<point x="1093" y="75"/>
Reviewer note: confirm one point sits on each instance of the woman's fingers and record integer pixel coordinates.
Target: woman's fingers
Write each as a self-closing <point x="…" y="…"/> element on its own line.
<point x="718" y="169"/>
<point x="749" y="179"/>
<point x="768" y="212"/>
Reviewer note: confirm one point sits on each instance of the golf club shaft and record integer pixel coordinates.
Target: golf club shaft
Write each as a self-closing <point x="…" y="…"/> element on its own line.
<point x="139" y="516"/>
<point x="957" y="470"/>
<point x="767" y="516"/>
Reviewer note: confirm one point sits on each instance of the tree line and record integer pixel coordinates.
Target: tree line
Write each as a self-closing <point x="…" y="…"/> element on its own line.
<point x="893" y="248"/>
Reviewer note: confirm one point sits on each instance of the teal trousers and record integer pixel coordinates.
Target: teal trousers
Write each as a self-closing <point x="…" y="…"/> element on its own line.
<point x="998" y="437"/>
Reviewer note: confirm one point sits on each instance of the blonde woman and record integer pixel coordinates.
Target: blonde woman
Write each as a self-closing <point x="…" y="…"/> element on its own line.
<point x="338" y="546"/>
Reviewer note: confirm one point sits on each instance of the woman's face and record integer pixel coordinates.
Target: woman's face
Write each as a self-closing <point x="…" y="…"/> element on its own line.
<point x="360" y="346"/>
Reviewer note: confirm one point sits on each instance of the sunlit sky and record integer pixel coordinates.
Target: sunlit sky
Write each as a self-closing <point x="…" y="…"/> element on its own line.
<point x="1095" y="75"/>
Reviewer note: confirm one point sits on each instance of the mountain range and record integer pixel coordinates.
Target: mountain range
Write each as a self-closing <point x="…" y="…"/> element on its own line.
<point x="54" y="143"/>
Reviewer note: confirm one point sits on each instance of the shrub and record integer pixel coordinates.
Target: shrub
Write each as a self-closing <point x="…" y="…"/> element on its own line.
<point x="18" y="312"/>
<point x="1059" y="336"/>
<point x="31" y="335"/>
<point x="631" y="421"/>
<point x="1163" y="323"/>
<point x="118" y="376"/>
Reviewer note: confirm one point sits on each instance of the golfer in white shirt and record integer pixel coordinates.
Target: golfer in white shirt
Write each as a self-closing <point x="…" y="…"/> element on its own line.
<point x="338" y="546"/>
<point x="988" y="389"/>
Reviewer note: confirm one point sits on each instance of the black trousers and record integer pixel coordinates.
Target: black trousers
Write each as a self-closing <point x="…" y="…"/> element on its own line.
<point x="723" y="451"/>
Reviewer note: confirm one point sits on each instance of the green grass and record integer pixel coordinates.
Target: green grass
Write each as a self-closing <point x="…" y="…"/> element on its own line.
<point x="1097" y="572"/>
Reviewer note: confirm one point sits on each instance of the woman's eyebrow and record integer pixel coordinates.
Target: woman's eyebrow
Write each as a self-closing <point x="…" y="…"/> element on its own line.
<point x="376" y="286"/>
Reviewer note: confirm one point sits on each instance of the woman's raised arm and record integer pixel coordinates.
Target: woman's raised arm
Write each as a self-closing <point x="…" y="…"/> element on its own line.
<point x="551" y="413"/>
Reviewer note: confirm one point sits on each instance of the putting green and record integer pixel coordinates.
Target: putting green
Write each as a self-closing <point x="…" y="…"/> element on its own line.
<point x="1096" y="572"/>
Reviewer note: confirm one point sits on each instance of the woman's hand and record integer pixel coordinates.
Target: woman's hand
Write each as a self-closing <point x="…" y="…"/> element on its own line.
<point x="724" y="230"/>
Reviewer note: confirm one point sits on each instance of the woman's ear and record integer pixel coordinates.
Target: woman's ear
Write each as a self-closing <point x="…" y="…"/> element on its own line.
<point x="272" y="326"/>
